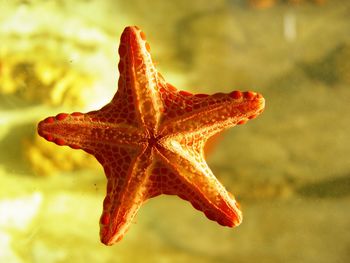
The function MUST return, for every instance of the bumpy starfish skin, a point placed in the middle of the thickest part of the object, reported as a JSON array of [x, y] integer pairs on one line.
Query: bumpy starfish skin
[[150, 138]]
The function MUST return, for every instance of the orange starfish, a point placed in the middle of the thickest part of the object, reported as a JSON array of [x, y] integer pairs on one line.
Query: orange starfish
[[150, 138]]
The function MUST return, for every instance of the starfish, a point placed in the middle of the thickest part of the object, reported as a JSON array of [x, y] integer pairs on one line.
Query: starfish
[[150, 139]]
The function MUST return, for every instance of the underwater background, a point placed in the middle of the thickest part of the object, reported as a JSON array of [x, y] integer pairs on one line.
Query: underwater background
[[289, 168]]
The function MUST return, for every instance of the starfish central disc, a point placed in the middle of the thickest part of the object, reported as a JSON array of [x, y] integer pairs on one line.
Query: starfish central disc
[[150, 139], [153, 141]]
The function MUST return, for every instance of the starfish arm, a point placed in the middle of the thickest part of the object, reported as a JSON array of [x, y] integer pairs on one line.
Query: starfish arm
[[126, 171], [150, 139], [83, 131], [194, 182], [137, 87], [185, 112], [123, 153]]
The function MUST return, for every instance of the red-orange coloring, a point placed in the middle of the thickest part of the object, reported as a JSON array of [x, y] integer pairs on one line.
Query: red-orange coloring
[[150, 138]]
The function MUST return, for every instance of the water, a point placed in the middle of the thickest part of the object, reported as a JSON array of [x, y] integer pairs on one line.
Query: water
[[289, 168]]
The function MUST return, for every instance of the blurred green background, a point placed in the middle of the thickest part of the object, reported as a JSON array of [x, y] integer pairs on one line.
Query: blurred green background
[[289, 168]]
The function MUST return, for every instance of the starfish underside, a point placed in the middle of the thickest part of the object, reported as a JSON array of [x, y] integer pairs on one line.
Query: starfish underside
[[150, 138]]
